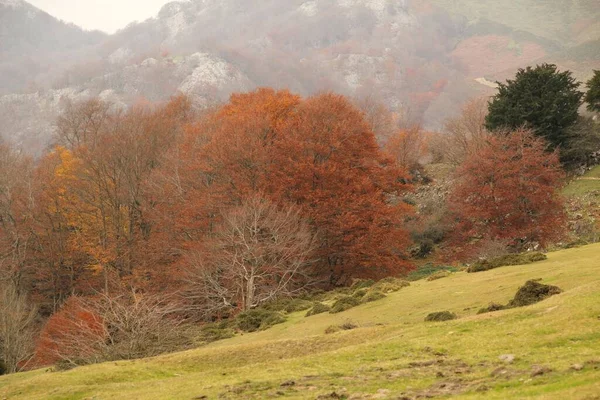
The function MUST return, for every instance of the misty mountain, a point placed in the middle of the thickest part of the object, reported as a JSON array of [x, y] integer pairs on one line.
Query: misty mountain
[[32, 43], [420, 58]]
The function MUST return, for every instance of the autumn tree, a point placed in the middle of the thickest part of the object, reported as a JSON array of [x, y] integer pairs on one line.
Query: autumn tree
[[72, 336], [115, 153], [327, 161], [508, 191], [317, 153], [17, 323], [465, 133], [17, 238], [261, 252], [542, 99], [407, 147]]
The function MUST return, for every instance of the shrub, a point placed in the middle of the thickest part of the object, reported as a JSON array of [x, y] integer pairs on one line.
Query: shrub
[[507, 260], [438, 275], [344, 303], [390, 285], [440, 316], [258, 320], [533, 292], [318, 308], [372, 295]]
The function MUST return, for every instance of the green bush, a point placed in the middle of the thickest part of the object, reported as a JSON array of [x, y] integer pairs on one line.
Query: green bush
[[258, 319], [440, 316], [372, 295], [344, 303], [503, 261], [318, 308]]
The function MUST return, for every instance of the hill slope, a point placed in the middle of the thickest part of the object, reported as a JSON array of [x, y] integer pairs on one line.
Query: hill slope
[[393, 354]]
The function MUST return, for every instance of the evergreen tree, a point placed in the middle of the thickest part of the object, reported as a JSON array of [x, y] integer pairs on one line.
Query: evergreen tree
[[542, 99], [592, 97]]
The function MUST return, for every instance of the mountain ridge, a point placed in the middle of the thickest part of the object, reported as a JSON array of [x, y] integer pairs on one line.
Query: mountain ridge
[[421, 58]]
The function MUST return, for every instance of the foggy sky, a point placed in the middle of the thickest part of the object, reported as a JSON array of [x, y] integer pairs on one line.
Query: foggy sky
[[105, 15]]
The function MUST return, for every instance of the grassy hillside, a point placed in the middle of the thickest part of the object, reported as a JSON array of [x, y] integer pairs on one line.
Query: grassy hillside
[[392, 353], [588, 183]]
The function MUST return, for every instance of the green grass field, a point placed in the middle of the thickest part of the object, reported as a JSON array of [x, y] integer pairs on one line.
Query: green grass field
[[392, 354]]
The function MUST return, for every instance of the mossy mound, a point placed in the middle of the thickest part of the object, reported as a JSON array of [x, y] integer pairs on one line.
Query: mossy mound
[[533, 292], [258, 320], [372, 295], [491, 308], [318, 308], [344, 303], [507, 260], [439, 275], [390, 285], [441, 316], [346, 326]]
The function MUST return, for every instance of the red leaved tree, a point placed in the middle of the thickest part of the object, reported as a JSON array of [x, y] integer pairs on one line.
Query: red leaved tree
[[73, 336], [326, 160], [507, 191]]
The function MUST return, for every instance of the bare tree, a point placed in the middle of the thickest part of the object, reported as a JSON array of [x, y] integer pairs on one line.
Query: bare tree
[[138, 325], [466, 133], [17, 319], [260, 253], [82, 123], [16, 204]]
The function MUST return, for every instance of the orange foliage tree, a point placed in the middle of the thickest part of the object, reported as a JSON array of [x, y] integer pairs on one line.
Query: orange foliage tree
[[72, 336], [507, 191], [327, 161], [317, 153]]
